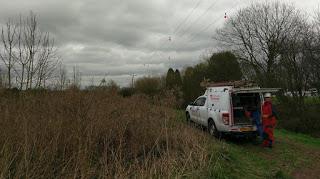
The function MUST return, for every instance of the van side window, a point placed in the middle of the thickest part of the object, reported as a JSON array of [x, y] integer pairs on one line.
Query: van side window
[[197, 102], [200, 101], [203, 101]]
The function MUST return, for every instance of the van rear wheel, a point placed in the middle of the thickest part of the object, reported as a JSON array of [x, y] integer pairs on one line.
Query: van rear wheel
[[213, 130]]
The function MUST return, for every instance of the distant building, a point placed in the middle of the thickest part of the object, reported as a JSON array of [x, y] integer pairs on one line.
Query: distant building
[[310, 93]]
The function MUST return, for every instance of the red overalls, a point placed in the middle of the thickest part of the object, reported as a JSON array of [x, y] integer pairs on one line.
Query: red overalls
[[269, 123]]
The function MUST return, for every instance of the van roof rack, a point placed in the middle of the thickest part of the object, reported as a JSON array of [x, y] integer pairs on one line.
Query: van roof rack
[[235, 84]]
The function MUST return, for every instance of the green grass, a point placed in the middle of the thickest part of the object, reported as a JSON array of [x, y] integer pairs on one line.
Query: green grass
[[299, 138], [291, 153], [312, 100]]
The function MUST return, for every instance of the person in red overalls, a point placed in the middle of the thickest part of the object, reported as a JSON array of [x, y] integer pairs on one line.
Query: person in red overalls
[[268, 121]]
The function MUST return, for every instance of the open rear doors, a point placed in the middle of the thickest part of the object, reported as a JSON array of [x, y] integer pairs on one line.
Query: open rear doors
[[246, 101]]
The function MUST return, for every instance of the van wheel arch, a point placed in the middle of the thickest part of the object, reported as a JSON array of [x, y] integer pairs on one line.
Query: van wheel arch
[[212, 129], [210, 120]]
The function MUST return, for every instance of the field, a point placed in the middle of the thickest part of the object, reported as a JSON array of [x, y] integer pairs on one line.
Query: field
[[102, 135]]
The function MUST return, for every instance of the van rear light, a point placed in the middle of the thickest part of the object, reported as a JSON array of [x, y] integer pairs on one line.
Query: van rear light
[[225, 118]]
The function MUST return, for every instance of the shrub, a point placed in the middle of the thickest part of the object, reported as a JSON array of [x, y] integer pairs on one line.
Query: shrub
[[148, 85], [297, 118], [126, 92]]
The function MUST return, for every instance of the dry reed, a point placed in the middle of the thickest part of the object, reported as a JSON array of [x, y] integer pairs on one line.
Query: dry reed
[[76, 134]]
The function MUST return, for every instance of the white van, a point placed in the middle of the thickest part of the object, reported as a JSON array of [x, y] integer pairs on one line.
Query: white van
[[222, 109]]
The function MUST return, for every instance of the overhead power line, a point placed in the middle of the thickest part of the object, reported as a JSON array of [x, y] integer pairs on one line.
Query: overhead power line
[[177, 29], [190, 25], [212, 23], [199, 17], [187, 17]]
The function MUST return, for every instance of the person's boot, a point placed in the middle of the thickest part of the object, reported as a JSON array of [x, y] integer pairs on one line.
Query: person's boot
[[270, 144], [265, 143]]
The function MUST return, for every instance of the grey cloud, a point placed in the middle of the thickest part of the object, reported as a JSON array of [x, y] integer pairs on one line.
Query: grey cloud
[[121, 37]]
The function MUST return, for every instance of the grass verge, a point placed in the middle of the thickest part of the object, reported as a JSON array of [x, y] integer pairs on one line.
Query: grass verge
[[292, 154]]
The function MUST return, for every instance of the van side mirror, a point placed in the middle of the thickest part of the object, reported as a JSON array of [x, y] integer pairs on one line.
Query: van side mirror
[[191, 103]]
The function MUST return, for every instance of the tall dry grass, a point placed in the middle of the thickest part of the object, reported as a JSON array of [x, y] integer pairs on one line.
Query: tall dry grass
[[75, 134]]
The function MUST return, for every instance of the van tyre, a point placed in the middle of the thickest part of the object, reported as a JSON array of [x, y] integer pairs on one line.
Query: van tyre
[[212, 129], [188, 119]]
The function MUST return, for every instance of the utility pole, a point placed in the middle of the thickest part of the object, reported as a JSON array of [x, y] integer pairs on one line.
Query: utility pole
[[148, 70], [74, 75], [133, 75]]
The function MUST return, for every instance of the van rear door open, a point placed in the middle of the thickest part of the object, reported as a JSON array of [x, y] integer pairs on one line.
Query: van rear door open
[[246, 101], [243, 104]]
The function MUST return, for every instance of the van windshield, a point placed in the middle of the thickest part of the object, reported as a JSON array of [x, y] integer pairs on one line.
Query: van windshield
[[244, 104]]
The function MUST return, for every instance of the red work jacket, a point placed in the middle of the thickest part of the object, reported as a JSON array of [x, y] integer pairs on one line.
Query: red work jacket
[[268, 120]]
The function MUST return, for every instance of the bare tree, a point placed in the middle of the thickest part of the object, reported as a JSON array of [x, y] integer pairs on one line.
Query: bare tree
[[76, 79], [256, 34], [1, 78], [317, 21], [28, 54], [277, 45], [8, 42], [296, 64], [21, 55], [315, 51], [32, 39], [47, 61], [36, 54], [62, 77]]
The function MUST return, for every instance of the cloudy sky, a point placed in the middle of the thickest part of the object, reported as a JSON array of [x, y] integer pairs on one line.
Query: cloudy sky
[[118, 38]]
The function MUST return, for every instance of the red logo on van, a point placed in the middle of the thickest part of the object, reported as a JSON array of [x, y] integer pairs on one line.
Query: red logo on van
[[214, 97]]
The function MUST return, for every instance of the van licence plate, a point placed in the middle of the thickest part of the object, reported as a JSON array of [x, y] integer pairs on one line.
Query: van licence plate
[[246, 129]]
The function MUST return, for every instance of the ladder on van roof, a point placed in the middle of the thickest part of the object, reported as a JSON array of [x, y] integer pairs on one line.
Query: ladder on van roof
[[235, 84], [255, 90], [242, 86]]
